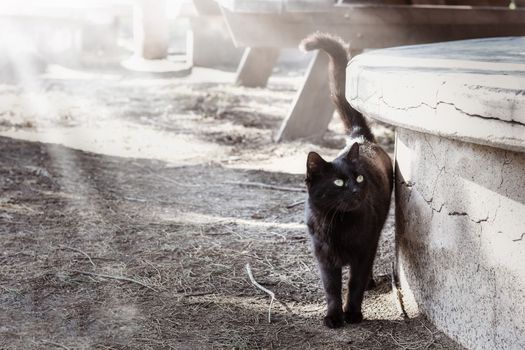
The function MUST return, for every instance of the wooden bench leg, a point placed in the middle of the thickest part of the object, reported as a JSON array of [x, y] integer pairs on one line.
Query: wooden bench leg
[[312, 108], [256, 66]]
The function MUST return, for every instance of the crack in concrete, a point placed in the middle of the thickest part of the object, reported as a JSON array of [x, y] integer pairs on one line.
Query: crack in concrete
[[462, 213], [519, 239], [510, 121], [496, 211], [409, 186], [473, 115], [455, 213], [437, 210], [441, 170], [436, 179], [506, 162], [480, 220], [429, 202], [431, 147]]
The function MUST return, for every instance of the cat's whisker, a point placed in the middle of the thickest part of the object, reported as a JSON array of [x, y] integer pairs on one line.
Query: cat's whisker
[[332, 208], [332, 220]]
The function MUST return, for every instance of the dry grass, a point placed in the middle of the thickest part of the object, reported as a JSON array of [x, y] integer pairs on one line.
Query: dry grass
[[104, 252]]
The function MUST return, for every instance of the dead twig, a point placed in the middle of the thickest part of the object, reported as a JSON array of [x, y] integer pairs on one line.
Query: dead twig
[[197, 294], [133, 199], [267, 291], [118, 278], [432, 339], [293, 205], [9, 290], [263, 185], [81, 252], [53, 343]]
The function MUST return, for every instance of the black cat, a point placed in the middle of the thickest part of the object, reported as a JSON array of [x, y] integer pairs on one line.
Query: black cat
[[348, 198]]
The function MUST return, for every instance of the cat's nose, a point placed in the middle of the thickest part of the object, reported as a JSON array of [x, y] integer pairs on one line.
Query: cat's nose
[[355, 190]]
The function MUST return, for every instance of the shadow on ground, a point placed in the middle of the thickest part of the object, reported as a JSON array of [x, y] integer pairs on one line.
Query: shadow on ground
[[103, 252]]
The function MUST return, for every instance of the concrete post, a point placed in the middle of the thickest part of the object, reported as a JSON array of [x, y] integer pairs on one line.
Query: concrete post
[[150, 29]]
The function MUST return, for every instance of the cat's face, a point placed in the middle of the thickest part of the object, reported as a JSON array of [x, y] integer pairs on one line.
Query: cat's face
[[339, 185]]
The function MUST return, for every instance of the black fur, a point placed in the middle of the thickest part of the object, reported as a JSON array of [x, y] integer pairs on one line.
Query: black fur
[[345, 221]]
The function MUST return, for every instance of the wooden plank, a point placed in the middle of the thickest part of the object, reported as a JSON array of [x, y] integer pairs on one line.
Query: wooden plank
[[365, 27], [312, 108], [256, 66], [207, 8], [376, 26]]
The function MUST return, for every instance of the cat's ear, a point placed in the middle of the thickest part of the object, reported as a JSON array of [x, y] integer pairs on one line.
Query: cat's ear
[[315, 164], [353, 153]]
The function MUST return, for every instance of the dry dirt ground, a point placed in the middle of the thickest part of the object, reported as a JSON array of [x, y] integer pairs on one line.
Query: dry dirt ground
[[130, 225]]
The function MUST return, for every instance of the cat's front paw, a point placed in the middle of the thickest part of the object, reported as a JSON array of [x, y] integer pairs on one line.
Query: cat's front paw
[[334, 321], [353, 317]]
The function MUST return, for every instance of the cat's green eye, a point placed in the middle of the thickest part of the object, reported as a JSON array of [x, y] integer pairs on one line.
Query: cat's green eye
[[359, 178], [339, 182]]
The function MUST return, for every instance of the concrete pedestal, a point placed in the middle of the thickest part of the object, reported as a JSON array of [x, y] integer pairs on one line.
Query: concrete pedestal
[[460, 227], [459, 108], [150, 29], [151, 39]]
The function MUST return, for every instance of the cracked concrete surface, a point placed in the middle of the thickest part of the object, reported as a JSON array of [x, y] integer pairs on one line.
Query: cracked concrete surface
[[472, 99], [436, 105], [460, 212]]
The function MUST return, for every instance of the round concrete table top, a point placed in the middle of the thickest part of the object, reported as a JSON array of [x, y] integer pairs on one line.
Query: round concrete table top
[[471, 90]]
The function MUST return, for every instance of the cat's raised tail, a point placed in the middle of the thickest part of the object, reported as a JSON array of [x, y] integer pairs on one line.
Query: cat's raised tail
[[354, 122]]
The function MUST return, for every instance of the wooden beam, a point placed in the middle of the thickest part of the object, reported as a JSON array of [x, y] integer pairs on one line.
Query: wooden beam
[[256, 66], [376, 26], [364, 26], [312, 108]]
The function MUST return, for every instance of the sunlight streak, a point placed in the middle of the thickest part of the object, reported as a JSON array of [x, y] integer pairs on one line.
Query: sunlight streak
[[36, 105]]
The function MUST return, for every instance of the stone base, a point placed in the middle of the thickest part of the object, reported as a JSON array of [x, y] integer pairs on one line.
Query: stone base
[[460, 222], [164, 66]]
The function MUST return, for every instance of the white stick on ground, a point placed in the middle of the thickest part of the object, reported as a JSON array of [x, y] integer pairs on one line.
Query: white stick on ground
[[267, 291]]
